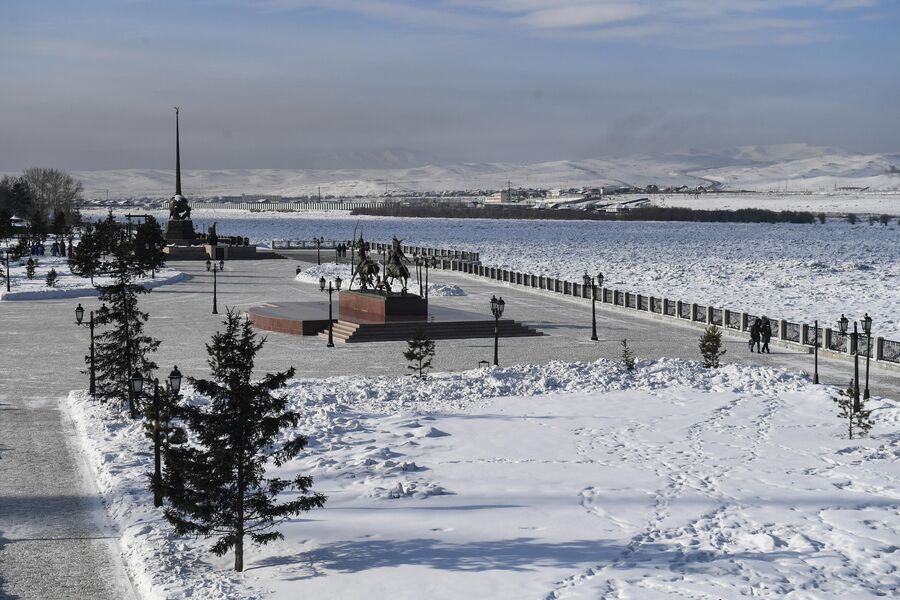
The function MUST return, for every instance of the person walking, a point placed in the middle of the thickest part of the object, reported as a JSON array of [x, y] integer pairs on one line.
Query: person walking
[[765, 334], [755, 334]]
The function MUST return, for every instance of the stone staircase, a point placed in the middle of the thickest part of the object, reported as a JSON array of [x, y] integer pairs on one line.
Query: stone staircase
[[345, 331]]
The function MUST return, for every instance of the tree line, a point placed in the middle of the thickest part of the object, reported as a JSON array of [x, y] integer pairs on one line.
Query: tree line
[[646, 213], [47, 199]]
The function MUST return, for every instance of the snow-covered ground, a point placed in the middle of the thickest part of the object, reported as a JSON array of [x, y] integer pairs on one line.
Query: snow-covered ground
[[562, 480], [331, 271], [821, 202], [68, 285], [797, 167], [796, 272]]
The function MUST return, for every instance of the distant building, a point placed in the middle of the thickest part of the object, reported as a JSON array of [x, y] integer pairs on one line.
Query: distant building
[[502, 197]]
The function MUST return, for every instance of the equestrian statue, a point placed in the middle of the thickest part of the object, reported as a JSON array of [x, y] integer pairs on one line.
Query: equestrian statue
[[395, 269], [365, 269]]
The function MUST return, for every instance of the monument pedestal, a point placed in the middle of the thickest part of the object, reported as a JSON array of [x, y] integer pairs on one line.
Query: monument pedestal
[[180, 231], [376, 307]]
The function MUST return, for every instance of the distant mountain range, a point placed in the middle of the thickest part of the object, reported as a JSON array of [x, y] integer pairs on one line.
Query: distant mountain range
[[791, 167]]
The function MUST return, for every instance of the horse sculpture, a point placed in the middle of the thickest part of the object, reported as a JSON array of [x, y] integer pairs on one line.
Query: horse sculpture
[[395, 269], [366, 269]]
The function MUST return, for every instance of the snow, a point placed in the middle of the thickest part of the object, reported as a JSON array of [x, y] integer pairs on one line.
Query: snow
[[801, 273], [760, 168], [68, 285], [562, 480], [331, 271]]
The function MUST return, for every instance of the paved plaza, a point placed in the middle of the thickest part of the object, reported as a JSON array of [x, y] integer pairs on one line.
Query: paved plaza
[[56, 541]]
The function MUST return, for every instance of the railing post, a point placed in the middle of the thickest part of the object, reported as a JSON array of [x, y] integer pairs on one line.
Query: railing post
[[665, 306], [879, 348], [826, 341], [678, 305], [745, 321], [782, 330], [804, 333], [726, 317], [709, 315]]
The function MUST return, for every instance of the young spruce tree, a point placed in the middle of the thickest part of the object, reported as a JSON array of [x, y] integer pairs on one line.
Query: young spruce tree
[[122, 348], [216, 482], [860, 419], [419, 352], [711, 347], [628, 360], [87, 259], [149, 243]]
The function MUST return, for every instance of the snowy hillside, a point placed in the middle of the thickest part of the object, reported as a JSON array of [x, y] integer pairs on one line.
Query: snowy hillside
[[761, 168], [562, 480]]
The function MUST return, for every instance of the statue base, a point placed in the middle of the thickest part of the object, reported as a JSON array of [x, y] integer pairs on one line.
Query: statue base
[[377, 307], [180, 230]]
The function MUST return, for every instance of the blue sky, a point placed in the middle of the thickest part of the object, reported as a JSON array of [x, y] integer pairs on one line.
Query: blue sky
[[300, 83]]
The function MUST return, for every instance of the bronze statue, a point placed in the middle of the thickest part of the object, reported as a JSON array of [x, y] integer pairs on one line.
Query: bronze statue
[[395, 269], [211, 235], [365, 269], [179, 209]]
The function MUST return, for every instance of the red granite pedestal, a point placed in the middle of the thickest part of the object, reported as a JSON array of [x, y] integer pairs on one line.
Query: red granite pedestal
[[375, 307]]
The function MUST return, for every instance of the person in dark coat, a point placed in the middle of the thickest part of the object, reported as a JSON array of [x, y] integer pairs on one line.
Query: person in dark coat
[[766, 335], [755, 334]]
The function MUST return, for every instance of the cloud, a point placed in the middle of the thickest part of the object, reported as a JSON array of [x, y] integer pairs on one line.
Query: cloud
[[678, 22]]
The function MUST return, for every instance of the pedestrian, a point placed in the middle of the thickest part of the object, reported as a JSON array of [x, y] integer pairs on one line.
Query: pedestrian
[[766, 334], [71, 247], [54, 249], [755, 334]]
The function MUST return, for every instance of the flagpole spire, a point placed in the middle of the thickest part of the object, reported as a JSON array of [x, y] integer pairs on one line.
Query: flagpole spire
[[177, 157]]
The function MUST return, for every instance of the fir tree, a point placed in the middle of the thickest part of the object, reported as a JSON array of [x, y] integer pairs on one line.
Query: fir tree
[[51, 278], [216, 483], [29, 267], [628, 360], [123, 348], [107, 233], [860, 419], [59, 226], [419, 352], [87, 258], [711, 347], [149, 243]]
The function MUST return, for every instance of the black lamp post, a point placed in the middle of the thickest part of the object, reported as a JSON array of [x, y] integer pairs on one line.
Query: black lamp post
[[330, 289], [215, 291], [591, 281], [79, 317], [8, 275], [497, 305], [433, 263], [417, 260], [842, 324], [816, 353], [135, 388], [318, 242], [867, 329]]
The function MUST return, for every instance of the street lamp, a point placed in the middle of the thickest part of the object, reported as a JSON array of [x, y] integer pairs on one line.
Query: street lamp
[[417, 260], [215, 291], [135, 387], [497, 306], [593, 283], [816, 353], [8, 275], [318, 242], [330, 289], [79, 317], [867, 329], [433, 264], [842, 325]]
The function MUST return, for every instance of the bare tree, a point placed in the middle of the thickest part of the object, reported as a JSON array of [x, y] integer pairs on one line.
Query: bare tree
[[53, 191]]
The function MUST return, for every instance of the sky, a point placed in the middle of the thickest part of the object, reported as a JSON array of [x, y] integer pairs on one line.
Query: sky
[[91, 85]]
